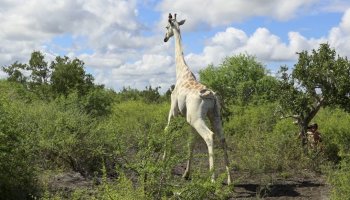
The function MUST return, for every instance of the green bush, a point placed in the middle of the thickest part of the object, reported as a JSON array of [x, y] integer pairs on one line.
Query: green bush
[[17, 169], [257, 119], [67, 137], [123, 188], [121, 139], [340, 180], [139, 128], [98, 102], [201, 187], [335, 129], [262, 142]]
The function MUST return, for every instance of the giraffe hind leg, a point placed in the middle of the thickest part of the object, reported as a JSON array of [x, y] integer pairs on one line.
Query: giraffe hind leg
[[202, 129], [191, 142], [217, 127]]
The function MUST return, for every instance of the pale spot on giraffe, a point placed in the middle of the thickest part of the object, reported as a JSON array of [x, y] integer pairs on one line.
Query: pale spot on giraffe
[[185, 84], [192, 82], [198, 86]]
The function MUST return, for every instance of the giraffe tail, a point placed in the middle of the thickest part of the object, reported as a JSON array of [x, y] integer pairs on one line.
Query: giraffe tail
[[209, 94], [217, 107]]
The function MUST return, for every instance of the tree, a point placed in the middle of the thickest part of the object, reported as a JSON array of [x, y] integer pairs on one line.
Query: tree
[[318, 80], [151, 95], [69, 75], [40, 71], [37, 66], [148, 95], [15, 72], [240, 80]]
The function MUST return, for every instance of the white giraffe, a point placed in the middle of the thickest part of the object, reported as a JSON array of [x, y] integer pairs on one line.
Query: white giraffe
[[193, 100]]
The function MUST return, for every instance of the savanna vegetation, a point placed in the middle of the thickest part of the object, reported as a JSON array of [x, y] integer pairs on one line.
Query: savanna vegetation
[[54, 121]]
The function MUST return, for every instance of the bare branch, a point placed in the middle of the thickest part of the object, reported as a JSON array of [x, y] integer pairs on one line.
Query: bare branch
[[284, 116]]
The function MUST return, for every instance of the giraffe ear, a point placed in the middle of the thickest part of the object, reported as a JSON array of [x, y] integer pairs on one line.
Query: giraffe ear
[[181, 22]]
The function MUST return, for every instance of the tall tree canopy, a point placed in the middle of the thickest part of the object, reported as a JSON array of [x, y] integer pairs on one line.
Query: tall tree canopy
[[40, 71], [69, 75], [15, 72], [240, 80], [320, 78]]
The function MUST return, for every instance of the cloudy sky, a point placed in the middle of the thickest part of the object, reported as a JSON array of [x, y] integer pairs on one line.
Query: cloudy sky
[[121, 41]]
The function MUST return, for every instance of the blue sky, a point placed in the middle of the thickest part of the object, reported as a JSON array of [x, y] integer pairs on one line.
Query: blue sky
[[121, 41]]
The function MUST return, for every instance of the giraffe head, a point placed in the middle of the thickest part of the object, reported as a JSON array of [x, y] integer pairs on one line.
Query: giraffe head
[[173, 24]]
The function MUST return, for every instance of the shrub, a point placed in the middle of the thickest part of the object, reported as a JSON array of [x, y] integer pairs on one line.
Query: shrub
[[17, 169], [66, 137], [340, 180], [139, 128]]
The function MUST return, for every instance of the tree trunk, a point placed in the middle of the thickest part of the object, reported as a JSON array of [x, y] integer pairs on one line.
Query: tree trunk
[[303, 122]]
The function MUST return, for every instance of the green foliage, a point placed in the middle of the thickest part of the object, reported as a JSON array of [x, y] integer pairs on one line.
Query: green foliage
[[261, 142], [69, 75], [340, 180], [318, 80], [202, 188], [151, 95], [98, 102], [15, 72], [148, 95], [141, 143], [250, 117], [17, 172], [58, 120], [62, 77], [122, 189], [40, 71], [326, 71], [334, 127], [16, 91], [239, 79]]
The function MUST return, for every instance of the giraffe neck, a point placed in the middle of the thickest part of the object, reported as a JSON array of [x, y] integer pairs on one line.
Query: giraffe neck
[[181, 66]]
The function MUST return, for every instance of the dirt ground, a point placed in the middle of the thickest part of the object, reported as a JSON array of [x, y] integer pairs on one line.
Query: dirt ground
[[246, 186], [271, 186], [300, 187]]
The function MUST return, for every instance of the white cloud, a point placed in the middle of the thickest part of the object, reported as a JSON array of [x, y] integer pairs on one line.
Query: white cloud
[[222, 12], [333, 6], [268, 47], [30, 25], [110, 30], [148, 65], [339, 37], [152, 69], [2, 74], [262, 44], [120, 55]]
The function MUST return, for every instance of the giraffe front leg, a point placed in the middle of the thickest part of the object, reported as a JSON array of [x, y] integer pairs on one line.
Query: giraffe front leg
[[166, 129], [227, 163], [173, 112]]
